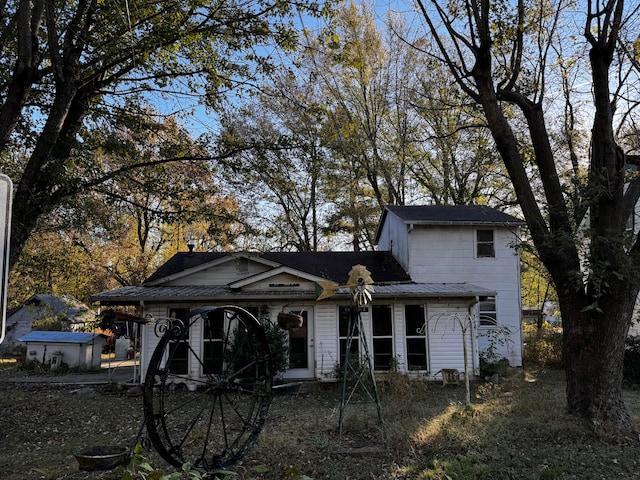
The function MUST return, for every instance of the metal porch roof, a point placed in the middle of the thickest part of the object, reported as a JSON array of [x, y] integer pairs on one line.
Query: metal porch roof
[[136, 295]]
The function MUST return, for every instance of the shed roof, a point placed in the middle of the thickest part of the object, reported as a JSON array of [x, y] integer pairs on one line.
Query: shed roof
[[58, 337]]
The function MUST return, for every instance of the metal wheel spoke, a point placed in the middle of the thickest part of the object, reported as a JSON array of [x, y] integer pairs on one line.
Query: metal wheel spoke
[[210, 418]]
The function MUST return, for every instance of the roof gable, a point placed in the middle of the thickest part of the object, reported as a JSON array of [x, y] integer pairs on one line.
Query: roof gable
[[184, 264], [273, 274]]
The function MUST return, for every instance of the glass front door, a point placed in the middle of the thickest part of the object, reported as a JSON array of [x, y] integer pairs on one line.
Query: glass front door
[[301, 347]]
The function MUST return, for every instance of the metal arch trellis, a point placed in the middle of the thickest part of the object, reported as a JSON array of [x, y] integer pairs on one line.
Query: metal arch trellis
[[467, 324]]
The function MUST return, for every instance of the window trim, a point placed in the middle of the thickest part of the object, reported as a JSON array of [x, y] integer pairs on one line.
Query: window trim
[[488, 313], [485, 243], [388, 337]]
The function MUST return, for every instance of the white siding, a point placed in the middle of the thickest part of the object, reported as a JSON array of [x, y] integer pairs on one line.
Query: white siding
[[326, 331], [394, 238], [399, 343], [75, 355], [449, 327], [448, 254], [283, 281]]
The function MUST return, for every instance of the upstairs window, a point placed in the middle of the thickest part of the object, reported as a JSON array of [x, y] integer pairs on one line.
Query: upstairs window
[[484, 244]]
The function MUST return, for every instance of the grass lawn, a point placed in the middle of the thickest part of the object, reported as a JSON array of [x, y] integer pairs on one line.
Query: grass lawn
[[515, 430]]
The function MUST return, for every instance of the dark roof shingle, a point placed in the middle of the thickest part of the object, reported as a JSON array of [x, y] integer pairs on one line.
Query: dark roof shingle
[[330, 265], [467, 214]]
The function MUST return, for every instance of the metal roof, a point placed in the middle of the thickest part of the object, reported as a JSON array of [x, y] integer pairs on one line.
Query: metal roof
[[59, 337], [433, 290], [135, 295]]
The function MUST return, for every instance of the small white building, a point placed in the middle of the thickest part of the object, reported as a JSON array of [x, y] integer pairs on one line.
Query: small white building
[[445, 278], [74, 349], [40, 307]]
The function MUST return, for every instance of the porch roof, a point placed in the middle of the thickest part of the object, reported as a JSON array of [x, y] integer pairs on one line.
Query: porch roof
[[220, 293]]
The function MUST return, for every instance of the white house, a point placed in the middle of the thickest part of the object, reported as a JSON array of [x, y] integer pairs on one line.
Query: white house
[[441, 275]]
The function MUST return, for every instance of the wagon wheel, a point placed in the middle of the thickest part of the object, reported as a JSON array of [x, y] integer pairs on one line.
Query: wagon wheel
[[208, 388]]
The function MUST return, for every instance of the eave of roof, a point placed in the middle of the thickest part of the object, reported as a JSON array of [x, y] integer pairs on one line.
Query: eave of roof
[[138, 295], [58, 337], [441, 215]]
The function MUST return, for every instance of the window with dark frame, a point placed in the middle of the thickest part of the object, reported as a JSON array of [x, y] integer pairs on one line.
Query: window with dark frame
[[179, 348], [416, 337], [213, 342], [485, 247], [487, 311], [344, 313], [381, 319]]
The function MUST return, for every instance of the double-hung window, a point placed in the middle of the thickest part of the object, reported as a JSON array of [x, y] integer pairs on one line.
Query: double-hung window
[[487, 311], [485, 246], [345, 320], [213, 342], [179, 349]]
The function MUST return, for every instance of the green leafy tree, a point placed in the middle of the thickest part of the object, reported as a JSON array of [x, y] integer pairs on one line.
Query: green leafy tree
[[510, 58], [68, 66], [119, 232]]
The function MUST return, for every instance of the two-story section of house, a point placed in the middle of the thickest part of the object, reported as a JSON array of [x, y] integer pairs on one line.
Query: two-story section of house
[[474, 244]]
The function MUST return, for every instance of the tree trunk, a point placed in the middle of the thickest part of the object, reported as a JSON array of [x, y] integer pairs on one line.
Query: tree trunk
[[596, 317], [593, 350]]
